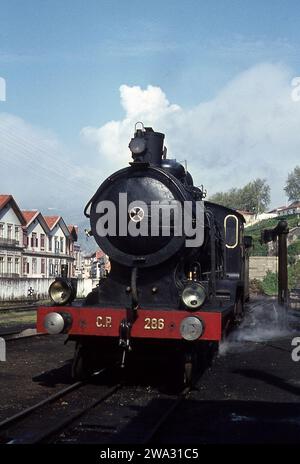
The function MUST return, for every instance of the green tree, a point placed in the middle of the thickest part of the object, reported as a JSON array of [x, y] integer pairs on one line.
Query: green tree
[[229, 199], [294, 248], [254, 197], [292, 186]]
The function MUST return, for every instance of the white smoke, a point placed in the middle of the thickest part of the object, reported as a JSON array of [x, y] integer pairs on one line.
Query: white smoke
[[244, 132], [264, 321]]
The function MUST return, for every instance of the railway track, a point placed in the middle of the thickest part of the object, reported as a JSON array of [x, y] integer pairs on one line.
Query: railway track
[[47, 417], [92, 413], [9, 335], [120, 421], [132, 415], [21, 307]]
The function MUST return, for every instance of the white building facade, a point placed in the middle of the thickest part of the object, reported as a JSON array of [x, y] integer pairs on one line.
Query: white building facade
[[11, 237], [33, 245]]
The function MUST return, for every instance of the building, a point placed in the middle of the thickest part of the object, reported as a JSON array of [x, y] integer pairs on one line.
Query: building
[[248, 216], [12, 245], [60, 245], [96, 265], [33, 245], [79, 262], [252, 218], [36, 251], [99, 265], [293, 208]]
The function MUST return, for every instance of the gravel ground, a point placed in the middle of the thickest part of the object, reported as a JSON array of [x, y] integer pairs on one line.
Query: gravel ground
[[247, 396], [35, 368]]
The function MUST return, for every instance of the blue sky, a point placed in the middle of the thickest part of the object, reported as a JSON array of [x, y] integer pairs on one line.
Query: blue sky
[[64, 61]]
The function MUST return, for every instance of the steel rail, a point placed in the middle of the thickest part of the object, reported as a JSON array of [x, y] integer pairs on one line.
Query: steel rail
[[64, 423], [150, 435], [48, 400], [39, 437]]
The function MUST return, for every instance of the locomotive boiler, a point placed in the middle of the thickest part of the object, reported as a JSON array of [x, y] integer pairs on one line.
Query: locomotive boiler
[[179, 268]]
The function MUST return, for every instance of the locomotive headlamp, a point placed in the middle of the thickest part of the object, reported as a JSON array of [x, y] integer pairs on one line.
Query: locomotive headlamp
[[137, 145], [193, 296], [191, 328], [61, 291], [56, 323]]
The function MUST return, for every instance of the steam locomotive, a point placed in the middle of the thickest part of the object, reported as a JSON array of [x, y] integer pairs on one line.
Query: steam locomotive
[[179, 268]]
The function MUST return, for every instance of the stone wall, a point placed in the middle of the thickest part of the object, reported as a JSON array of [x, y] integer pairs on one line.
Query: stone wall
[[259, 265]]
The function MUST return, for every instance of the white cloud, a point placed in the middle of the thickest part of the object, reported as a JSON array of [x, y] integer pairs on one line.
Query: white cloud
[[38, 170], [250, 129]]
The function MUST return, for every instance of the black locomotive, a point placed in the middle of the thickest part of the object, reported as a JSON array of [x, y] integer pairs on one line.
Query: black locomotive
[[179, 267]]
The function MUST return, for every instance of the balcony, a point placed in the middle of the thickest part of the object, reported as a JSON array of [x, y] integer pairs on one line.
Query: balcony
[[9, 275], [9, 243]]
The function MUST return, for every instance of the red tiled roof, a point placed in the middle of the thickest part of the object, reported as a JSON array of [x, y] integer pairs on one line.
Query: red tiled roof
[[71, 228], [99, 254], [29, 215], [4, 199], [73, 231], [51, 221]]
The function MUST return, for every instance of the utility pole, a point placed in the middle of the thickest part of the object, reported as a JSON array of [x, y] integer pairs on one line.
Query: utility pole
[[280, 232]]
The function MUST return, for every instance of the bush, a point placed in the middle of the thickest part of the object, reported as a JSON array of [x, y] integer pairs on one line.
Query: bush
[[270, 281], [294, 275], [294, 248], [255, 286], [255, 231], [270, 284]]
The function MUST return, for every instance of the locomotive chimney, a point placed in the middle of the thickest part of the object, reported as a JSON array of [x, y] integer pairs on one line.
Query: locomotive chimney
[[147, 146]]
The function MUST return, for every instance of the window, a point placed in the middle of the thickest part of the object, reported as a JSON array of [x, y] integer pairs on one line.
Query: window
[[1, 230], [25, 265], [17, 265], [51, 270], [25, 239], [61, 244], [9, 265], [34, 266], [56, 267], [43, 265], [17, 233], [56, 245], [231, 226], [42, 241], [1, 265], [34, 240], [9, 231]]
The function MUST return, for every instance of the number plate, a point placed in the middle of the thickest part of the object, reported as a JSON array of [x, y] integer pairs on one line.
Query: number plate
[[152, 323]]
